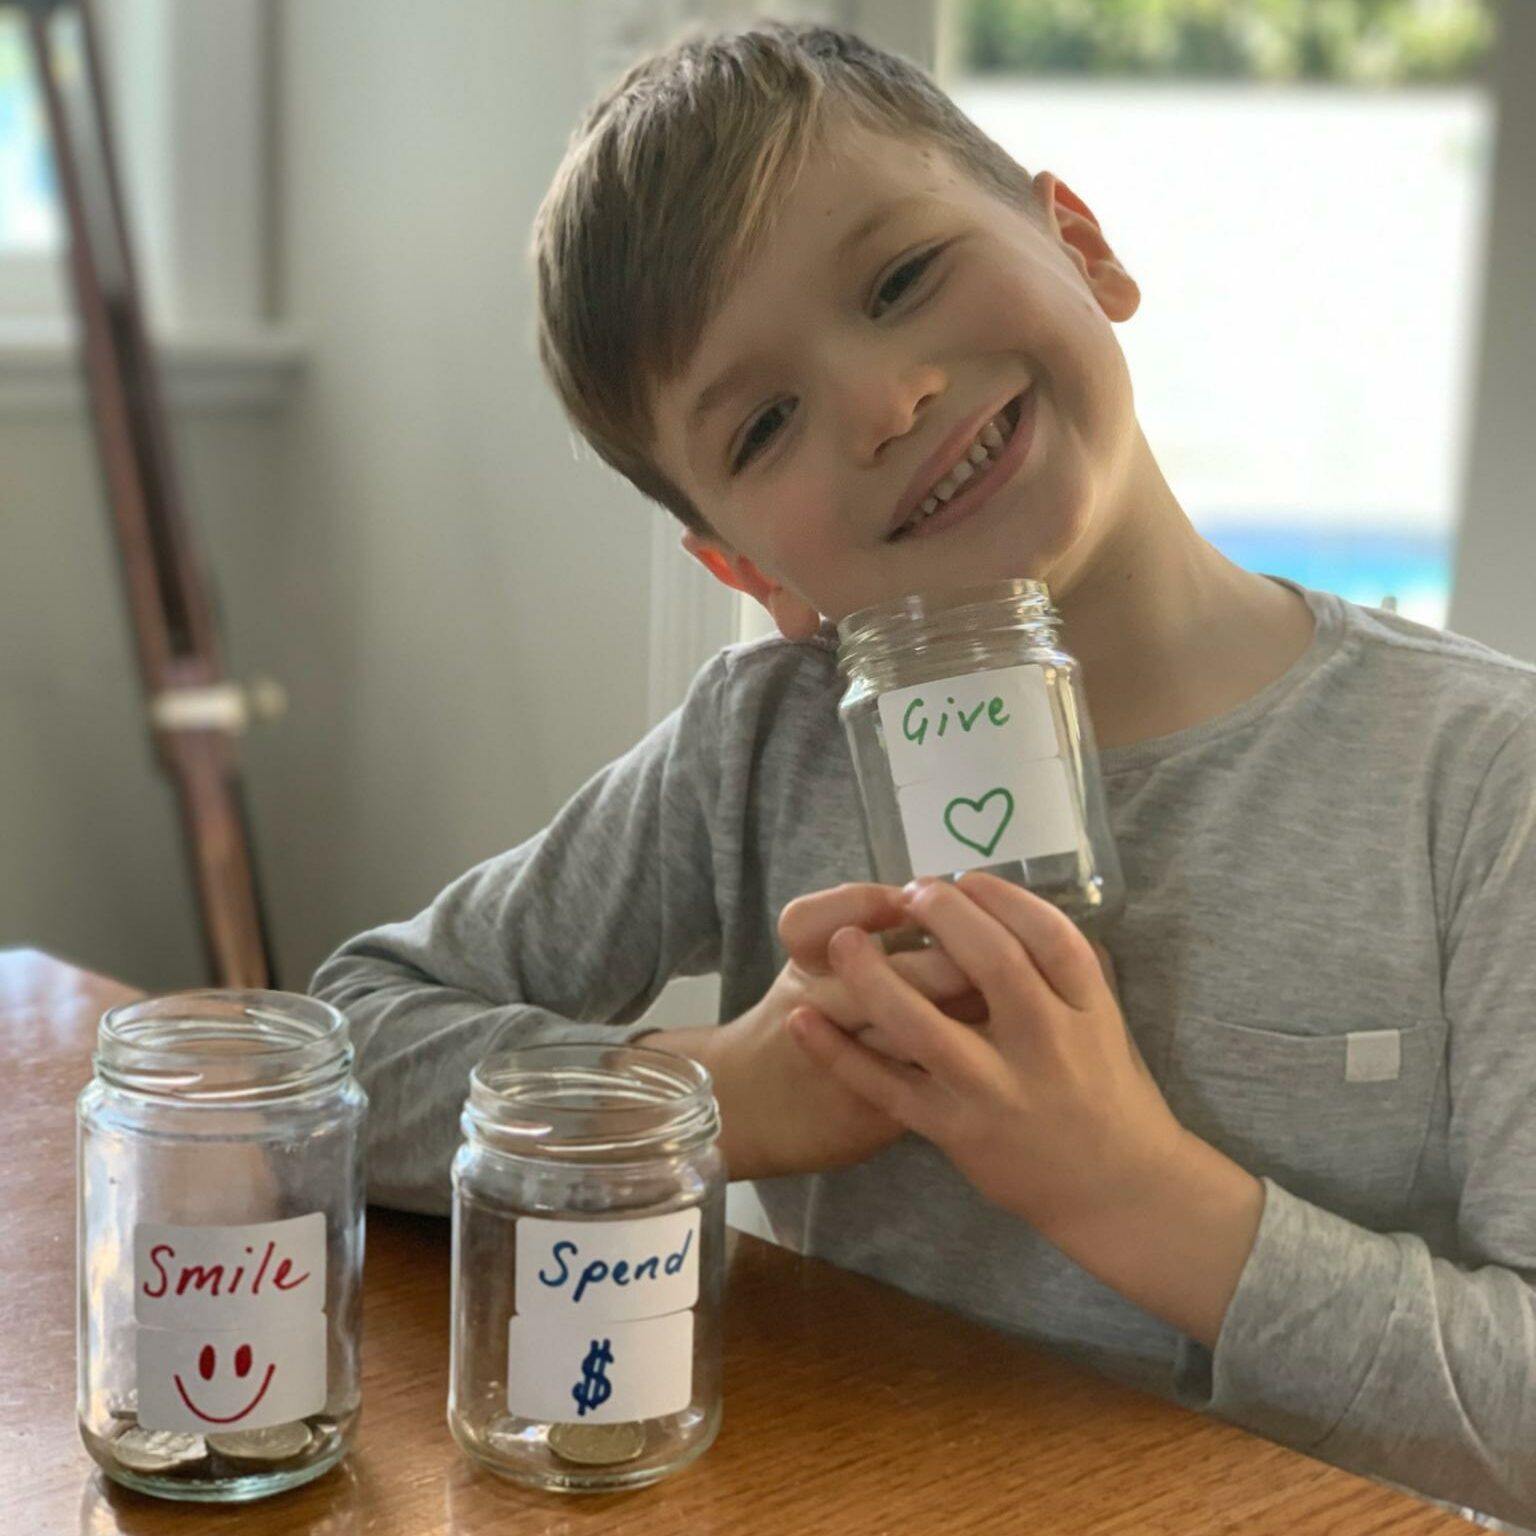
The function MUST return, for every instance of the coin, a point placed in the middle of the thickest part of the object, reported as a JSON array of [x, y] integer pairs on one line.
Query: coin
[[278, 1443], [157, 1450], [597, 1445]]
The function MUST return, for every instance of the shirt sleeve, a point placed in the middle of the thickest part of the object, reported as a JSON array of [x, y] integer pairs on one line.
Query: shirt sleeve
[[1365, 1348], [563, 938]]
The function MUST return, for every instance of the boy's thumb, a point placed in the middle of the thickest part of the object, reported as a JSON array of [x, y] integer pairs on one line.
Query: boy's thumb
[[1107, 965]]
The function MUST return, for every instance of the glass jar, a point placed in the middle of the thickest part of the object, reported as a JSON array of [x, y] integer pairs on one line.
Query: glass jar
[[973, 748], [588, 1264], [220, 1244]]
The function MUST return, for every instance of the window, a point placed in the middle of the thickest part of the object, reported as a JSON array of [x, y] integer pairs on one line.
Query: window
[[29, 227], [27, 192], [192, 160], [1299, 192]]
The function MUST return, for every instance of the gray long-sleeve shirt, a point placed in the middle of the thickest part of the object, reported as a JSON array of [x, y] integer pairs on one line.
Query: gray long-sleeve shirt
[[1326, 959]]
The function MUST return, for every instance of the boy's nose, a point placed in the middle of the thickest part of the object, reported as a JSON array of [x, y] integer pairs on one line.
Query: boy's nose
[[883, 409]]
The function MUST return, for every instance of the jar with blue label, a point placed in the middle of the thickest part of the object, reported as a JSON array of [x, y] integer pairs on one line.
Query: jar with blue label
[[220, 1187], [588, 1265], [971, 740]]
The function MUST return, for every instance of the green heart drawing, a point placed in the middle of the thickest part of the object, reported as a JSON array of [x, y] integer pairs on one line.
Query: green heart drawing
[[975, 805]]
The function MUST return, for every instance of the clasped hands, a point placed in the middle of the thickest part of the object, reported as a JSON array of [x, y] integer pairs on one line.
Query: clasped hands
[[1004, 1045]]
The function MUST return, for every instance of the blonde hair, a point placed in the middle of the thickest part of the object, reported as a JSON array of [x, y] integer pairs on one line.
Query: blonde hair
[[666, 190]]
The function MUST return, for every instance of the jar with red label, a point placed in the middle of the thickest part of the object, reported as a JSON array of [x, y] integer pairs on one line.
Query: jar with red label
[[220, 1244]]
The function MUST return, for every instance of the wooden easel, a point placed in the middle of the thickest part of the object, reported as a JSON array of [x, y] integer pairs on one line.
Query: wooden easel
[[194, 711]]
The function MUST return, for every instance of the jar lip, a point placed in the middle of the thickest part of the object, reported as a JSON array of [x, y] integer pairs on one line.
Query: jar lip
[[589, 1098], [208, 1043], [924, 605]]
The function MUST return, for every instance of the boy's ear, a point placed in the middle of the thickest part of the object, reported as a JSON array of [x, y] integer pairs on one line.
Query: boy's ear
[[1113, 287], [796, 618]]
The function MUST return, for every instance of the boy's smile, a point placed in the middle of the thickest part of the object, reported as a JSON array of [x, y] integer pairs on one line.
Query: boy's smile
[[968, 469], [911, 385]]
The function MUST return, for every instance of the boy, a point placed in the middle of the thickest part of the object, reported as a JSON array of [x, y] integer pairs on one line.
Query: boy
[[1285, 1175]]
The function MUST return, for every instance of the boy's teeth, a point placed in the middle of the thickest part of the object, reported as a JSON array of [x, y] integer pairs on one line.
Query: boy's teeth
[[989, 441]]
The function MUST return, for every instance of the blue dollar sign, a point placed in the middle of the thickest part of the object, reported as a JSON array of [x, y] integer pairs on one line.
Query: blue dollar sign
[[594, 1389]]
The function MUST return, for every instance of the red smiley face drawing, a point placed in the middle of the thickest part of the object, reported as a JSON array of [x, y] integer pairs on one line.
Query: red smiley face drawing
[[207, 1366]]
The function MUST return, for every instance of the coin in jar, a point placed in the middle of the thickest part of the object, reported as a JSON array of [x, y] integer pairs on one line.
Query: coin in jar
[[157, 1450], [597, 1445], [277, 1443]]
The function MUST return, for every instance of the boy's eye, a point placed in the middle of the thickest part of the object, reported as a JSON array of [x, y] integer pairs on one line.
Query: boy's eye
[[761, 432], [904, 277]]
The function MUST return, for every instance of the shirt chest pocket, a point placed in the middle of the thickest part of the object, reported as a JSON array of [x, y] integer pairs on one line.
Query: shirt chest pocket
[[1339, 1120]]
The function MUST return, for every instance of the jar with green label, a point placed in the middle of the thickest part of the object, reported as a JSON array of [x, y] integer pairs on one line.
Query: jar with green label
[[973, 747], [588, 1265]]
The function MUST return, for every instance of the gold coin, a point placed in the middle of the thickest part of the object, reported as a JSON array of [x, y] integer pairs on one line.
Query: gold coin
[[597, 1445], [278, 1443], [157, 1450]]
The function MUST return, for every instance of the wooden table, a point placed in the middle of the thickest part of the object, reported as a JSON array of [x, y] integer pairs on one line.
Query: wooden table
[[849, 1407]]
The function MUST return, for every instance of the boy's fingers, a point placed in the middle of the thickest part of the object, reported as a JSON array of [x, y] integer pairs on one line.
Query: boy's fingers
[[807, 924], [1060, 951], [984, 944], [928, 971], [1107, 965], [951, 1053], [892, 1087], [932, 972]]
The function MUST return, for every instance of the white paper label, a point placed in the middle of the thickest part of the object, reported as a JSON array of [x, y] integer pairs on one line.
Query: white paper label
[[566, 1371], [1024, 812], [226, 1277], [935, 727], [593, 1270], [231, 1323], [978, 771], [211, 1381]]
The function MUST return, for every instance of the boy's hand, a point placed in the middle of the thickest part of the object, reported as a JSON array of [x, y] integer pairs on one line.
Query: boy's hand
[[806, 927], [781, 1112], [1046, 1107], [795, 1116]]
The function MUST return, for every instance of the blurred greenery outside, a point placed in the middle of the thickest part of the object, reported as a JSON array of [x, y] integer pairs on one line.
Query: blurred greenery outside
[[1362, 43]]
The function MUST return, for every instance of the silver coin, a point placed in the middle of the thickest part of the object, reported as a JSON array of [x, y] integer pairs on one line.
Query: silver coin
[[278, 1443], [157, 1450], [597, 1445]]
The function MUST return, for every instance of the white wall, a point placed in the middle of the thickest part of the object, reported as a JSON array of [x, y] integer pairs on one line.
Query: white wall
[[460, 585]]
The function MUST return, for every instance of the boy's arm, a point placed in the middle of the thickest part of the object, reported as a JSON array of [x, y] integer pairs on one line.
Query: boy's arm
[[586, 921], [1364, 1347]]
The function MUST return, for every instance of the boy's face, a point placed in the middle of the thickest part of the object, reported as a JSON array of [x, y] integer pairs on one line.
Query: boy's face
[[855, 369]]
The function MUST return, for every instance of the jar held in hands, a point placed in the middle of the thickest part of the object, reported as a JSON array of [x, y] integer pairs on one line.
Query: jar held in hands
[[973, 748]]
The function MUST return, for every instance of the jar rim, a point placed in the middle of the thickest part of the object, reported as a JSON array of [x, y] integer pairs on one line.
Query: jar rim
[[582, 1099], [862, 622], [223, 1045]]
